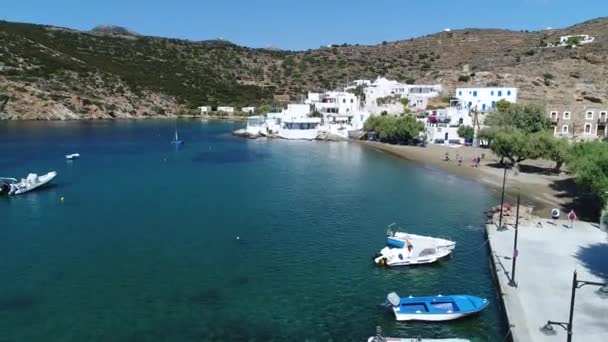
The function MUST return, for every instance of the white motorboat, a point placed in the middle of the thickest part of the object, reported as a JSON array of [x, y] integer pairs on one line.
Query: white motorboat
[[397, 339], [72, 156], [395, 238], [380, 338], [11, 186], [416, 253]]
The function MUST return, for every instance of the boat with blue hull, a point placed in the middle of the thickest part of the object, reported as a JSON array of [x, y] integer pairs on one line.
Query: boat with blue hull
[[435, 308]]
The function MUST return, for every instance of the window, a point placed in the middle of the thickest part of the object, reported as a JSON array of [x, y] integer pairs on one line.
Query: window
[[475, 93], [587, 128], [483, 107], [566, 115], [470, 104], [493, 104], [352, 100], [565, 129], [460, 93], [492, 93], [553, 116], [500, 93], [603, 116], [589, 115], [343, 100], [508, 93]]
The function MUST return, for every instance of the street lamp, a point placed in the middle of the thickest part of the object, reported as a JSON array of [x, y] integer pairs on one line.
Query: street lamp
[[502, 198], [547, 329]]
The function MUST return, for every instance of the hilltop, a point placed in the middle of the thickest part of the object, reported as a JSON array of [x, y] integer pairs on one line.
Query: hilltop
[[52, 73]]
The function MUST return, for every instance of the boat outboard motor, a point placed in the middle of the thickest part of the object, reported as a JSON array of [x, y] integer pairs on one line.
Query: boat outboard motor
[[393, 299], [5, 188]]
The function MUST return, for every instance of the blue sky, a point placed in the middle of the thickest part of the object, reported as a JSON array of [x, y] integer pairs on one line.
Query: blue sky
[[300, 25]]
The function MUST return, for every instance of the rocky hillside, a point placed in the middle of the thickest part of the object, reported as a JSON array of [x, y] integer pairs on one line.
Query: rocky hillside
[[57, 73]]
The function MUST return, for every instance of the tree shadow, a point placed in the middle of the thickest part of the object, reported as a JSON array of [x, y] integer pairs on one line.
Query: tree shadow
[[586, 205], [594, 258]]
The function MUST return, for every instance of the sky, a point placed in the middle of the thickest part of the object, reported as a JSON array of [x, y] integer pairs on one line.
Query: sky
[[301, 25]]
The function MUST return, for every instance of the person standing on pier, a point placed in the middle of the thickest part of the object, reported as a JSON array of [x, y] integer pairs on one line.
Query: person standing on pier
[[571, 218]]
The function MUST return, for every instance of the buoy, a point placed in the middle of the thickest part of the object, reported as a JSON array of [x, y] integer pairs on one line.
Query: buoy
[[238, 237], [62, 199]]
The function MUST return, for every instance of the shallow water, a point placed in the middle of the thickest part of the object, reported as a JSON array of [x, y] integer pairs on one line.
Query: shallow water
[[145, 248]]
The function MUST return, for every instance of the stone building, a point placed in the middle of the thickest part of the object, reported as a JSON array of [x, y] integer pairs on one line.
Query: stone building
[[580, 123]]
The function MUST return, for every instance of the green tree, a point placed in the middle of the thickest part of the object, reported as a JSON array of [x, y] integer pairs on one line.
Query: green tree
[[511, 144], [392, 129], [545, 145], [527, 118], [589, 162], [466, 132], [486, 135], [502, 105]]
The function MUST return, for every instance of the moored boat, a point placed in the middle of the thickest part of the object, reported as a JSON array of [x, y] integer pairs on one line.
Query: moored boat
[[11, 186], [421, 252], [380, 338], [176, 141], [72, 156], [395, 238], [435, 308]]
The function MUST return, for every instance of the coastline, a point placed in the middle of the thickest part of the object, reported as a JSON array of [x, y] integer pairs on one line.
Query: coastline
[[544, 192]]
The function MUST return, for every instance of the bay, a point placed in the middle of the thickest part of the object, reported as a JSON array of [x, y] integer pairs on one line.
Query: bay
[[224, 238]]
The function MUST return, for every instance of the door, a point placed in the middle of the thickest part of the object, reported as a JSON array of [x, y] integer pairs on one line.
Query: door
[[446, 137]]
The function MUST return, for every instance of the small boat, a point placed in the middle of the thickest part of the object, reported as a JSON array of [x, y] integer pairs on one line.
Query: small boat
[[416, 253], [11, 186], [72, 156], [176, 141], [435, 308], [395, 238], [415, 339], [380, 338]]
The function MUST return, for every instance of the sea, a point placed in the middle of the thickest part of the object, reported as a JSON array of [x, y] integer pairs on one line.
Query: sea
[[224, 238]]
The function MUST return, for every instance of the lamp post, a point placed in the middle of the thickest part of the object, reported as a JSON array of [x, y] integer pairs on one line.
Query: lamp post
[[515, 252], [576, 284], [502, 198]]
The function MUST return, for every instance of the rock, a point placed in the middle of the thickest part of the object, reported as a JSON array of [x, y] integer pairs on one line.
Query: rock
[[593, 99]]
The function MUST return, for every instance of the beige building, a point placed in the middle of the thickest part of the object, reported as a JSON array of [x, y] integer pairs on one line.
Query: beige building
[[587, 123]]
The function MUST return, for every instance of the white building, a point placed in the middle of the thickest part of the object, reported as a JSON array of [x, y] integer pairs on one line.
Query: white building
[[485, 99], [249, 110], [225, 109], [356, 83], [442, 124], [581, 38], [204, 109], [390, 92]]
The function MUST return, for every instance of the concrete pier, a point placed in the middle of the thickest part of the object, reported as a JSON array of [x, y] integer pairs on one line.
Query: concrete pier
[[547, 257]]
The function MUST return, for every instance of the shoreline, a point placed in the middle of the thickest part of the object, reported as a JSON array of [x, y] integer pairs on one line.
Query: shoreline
[[537, 189]]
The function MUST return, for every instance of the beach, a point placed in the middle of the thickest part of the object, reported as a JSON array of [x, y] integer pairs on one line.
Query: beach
[[543, 191]]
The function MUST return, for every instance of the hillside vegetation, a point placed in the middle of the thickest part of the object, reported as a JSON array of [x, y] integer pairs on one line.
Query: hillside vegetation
[[57, 73]]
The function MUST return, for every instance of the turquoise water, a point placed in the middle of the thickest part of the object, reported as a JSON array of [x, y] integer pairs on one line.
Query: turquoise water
[[144, 247]]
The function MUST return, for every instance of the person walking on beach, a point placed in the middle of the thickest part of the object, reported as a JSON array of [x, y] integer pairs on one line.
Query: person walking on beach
[[571, 218], [459, 160]]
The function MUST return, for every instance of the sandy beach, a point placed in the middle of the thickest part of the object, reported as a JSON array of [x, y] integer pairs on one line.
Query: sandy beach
[[543, 191]]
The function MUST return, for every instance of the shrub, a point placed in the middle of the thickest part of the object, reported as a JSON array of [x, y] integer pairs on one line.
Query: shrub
[[464, 78]]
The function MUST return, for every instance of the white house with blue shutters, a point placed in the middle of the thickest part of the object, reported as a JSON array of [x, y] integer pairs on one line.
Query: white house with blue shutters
[[485, 99]]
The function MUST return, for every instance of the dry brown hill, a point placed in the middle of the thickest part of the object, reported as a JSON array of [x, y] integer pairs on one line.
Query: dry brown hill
[[49, 72]]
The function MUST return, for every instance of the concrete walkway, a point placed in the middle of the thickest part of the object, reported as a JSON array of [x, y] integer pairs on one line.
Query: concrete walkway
[[547, 257]]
